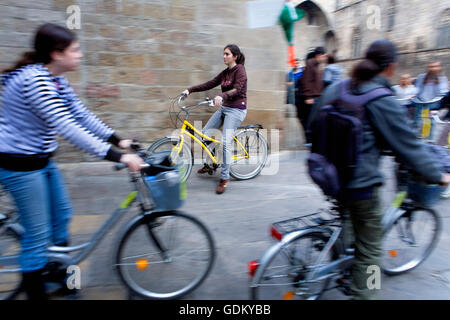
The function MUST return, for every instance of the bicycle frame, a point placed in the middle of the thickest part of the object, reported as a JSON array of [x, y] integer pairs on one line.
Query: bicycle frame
[[389, 217], [60, 254], [189, 130], [321, 271]]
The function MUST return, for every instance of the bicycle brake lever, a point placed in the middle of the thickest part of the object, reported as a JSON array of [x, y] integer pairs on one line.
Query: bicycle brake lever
[[135, 145]]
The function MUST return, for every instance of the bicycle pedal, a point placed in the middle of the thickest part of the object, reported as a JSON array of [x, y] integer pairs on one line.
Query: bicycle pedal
[[344, 286], [350, 251]]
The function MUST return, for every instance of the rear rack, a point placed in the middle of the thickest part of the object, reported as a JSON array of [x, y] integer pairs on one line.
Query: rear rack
[[320, 218]]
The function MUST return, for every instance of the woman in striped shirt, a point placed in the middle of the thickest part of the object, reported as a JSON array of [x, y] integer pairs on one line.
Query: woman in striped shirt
[[38, 104]]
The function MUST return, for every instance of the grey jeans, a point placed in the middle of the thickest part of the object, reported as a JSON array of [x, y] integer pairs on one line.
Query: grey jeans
[[231, 118]]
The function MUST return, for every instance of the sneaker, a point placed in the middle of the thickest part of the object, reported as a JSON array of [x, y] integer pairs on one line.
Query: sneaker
[[203, 170], [222, 185]]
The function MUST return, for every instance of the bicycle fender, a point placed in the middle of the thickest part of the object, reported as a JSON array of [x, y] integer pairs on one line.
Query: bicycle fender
[[273, 250]]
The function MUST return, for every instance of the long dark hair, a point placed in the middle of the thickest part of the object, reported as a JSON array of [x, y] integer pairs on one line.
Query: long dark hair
[[237, 53], [380, 54], [49, 37], [429, 77]]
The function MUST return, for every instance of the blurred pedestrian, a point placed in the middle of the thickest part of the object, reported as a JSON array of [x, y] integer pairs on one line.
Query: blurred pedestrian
[[332, 72], [311, 86], [291, 81], [38, 104], [430, 85], [405, 91], [384, 126]]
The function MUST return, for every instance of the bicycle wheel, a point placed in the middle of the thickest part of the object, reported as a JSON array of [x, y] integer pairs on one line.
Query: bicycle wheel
[[248, 163], [410, 240], [285, 274], [10, 272], [183, 158], [165, 255]]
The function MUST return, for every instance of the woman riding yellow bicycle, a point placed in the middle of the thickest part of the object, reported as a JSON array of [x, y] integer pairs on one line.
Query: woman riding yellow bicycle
[[233, 106]]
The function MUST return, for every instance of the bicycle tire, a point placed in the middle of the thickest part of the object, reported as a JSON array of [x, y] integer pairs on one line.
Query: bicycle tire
[[294, 274], [393, 252], [10, 275], [256, 146], [195, 242], [167, 143]]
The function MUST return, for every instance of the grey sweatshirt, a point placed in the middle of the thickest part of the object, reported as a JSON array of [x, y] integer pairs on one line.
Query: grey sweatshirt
[[388, 127]]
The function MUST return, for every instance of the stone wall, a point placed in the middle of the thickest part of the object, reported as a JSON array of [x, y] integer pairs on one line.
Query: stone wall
[[139, 54]]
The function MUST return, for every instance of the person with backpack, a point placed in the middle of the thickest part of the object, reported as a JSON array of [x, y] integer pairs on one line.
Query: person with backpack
[[38, 104], [354, 121]]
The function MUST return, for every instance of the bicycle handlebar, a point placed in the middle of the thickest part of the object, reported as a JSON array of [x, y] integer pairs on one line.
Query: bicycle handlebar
[[435, 100], [136, 146], [439, 120], [207, 101]]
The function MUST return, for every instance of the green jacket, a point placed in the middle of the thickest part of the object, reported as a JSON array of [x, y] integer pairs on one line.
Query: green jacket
[[388, 127]]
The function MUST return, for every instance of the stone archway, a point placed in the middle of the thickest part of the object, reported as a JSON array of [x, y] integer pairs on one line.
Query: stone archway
[[314, 30]]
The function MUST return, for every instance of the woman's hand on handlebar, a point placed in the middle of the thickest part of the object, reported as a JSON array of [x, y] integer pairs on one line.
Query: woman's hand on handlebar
[[218, 101], [133, 161], [185, 93]]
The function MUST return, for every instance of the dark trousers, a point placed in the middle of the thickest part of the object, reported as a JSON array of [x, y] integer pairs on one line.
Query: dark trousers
[[303, 112], [367, 234]]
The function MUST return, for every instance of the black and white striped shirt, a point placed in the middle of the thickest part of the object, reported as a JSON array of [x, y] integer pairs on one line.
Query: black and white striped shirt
[[36, 106]]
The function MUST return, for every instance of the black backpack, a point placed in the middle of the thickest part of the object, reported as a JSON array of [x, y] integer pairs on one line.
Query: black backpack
[[336, 137]]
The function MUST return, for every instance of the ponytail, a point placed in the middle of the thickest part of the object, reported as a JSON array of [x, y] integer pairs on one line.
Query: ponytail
[[49, 38], [364, 71], [27, 58]]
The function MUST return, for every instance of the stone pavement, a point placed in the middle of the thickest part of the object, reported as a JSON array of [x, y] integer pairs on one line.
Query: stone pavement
[[239, 221]]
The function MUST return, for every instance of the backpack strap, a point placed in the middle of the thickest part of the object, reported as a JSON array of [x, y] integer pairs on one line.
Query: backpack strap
[[353, 103], [362, 99]]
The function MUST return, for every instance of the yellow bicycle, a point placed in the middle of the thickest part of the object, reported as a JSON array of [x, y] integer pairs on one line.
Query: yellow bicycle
[[249, 149]]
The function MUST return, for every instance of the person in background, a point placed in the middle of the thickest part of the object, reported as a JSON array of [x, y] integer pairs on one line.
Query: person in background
[[291, 81], [311, 86], [332, 72], [429, 86], [404, 92]]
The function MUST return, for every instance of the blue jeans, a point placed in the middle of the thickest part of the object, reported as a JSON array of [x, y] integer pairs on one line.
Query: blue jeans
[[231, 119], [44, 211]]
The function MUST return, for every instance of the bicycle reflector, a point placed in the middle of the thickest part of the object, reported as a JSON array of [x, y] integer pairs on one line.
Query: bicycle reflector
[[393, 253], [252, 266], [289, 295], [141, 264], [275, 233]]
